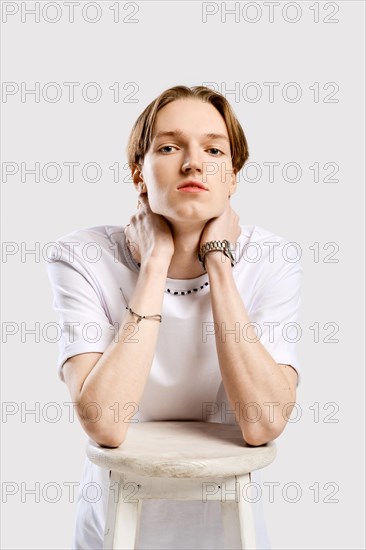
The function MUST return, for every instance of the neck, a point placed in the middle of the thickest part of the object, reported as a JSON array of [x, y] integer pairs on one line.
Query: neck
[[185, 263]]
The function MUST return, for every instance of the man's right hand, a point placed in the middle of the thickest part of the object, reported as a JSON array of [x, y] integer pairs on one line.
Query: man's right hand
[[148, 234]]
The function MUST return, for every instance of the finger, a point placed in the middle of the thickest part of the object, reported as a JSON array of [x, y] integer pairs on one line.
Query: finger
[[127, 238], [140, 202], [143, 201]]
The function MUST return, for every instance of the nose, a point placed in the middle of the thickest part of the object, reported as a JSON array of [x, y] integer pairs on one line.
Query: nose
[[192, 162]]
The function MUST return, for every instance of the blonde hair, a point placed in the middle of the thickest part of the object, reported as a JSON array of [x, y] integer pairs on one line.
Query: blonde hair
[[141, 134]]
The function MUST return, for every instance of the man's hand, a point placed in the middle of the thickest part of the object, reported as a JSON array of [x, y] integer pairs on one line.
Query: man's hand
[[226, 226], [148, 234]]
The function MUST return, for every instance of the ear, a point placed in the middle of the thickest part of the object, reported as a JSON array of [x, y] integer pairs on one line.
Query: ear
[[137, 177], [233, 183]]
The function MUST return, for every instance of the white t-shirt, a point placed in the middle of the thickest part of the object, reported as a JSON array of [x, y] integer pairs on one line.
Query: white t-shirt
[[87, 272]]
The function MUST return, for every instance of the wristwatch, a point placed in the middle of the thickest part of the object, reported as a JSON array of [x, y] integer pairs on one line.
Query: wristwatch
[[222, 246]]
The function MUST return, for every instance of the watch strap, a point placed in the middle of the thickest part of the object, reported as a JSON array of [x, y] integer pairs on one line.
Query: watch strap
[[222, 246]]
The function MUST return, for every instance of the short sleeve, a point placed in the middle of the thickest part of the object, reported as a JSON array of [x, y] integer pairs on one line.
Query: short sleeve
[[83, 323], [275, 313]]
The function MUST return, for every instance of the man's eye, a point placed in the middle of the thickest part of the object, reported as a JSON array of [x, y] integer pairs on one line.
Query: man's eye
[[215, 149], [165, 147]]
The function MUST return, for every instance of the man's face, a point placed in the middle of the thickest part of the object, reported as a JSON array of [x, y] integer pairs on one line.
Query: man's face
[[173, 159]]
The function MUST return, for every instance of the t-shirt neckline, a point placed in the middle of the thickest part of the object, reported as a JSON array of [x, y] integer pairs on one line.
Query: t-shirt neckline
[[177, 284]]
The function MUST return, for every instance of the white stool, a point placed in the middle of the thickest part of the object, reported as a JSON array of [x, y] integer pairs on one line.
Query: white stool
[[185, 460]]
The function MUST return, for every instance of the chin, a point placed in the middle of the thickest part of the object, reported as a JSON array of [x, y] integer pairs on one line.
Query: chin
[[191, 211], [184, 218]]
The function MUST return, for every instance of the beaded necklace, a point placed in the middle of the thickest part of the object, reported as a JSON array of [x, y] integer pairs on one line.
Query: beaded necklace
[[182, 292]]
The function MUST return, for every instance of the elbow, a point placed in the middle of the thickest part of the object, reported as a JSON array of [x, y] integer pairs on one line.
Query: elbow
[[104, 432], [104, 435], [257, 437], [108, 440], [255, 441], [109, 443]]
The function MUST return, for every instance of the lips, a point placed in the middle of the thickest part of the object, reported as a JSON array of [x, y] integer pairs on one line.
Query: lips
[[192, 183]]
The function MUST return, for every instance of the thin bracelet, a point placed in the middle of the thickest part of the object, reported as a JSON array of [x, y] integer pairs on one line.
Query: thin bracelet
[[140, 317]]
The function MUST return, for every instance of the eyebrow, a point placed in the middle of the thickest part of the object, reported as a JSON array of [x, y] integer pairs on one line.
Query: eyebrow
[[173, 133]]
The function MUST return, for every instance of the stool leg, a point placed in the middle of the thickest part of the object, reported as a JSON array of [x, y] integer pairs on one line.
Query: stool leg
[[231, 524], [246, 513], [237, 518], [123, 518]]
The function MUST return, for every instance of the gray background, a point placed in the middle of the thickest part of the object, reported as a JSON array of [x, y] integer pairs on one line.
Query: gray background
[[169, 44]]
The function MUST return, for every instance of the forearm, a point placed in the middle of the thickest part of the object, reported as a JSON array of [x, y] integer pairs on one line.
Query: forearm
[[249, 373], [117, 381]]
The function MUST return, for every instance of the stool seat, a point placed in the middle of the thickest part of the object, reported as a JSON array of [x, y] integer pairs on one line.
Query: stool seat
[[183, 449], [180, 460]]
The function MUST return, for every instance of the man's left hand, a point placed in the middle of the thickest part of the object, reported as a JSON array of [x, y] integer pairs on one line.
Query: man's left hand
[[226, 226]]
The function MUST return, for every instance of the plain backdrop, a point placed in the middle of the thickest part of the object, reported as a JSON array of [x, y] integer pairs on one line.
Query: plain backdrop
[[315, 120]]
